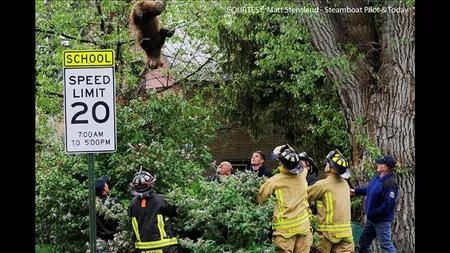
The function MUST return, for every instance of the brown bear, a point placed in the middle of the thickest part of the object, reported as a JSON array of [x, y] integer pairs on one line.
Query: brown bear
[[151, 37]]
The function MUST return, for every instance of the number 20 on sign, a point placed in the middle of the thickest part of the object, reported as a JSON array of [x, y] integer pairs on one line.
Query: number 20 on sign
[[89, 101]]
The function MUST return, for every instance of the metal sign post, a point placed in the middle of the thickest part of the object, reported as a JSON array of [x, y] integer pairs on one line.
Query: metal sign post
[[92, 218], [90, 112]]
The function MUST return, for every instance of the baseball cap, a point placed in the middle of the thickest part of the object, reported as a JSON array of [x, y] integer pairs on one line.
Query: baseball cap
[[388, 160], [100, 184]]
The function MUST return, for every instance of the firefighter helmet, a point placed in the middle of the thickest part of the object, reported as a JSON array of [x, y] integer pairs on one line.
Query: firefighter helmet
[[304, 156], [142, 183], [289, 158], [337, 161], [277, 151]]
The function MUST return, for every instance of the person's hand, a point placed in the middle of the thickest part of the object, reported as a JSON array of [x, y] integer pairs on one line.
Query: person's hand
[[352, 192]]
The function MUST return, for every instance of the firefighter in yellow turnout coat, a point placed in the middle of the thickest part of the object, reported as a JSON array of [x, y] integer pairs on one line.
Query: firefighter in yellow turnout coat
[[333, 206], [291, 228]]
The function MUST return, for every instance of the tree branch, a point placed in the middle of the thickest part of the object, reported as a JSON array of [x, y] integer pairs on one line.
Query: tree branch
[[65, 36], [199, 68], [99, 10]]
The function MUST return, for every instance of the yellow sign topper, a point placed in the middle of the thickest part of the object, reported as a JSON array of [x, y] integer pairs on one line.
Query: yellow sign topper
[[88, 58]]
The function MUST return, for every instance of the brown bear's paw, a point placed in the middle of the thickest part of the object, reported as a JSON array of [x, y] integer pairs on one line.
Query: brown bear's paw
[[170, 33]]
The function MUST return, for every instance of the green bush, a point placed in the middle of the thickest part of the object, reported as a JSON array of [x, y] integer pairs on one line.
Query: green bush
[[62, 210], [221, 216]]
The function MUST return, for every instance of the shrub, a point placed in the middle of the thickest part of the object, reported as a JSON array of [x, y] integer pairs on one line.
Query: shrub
[[221, 216]]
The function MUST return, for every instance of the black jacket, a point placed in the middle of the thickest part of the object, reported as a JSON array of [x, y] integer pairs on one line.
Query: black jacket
[[311, 178], [261, 172], [150, 221], [106, 227]]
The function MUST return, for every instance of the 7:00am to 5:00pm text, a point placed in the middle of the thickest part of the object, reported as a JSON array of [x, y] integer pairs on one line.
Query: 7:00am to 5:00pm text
[[92, 142], [91, 134]]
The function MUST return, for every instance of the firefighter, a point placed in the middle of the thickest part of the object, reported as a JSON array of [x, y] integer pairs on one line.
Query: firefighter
[[291, 227], [333, 206], [150, 216]]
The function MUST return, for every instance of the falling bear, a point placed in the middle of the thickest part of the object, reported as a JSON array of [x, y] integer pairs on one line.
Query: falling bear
[[150, 35]]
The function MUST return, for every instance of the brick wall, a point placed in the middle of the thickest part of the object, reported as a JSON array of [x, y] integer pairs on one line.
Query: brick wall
[[236, 147]]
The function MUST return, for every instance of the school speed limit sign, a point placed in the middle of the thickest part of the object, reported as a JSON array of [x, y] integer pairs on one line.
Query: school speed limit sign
[[89, 101]]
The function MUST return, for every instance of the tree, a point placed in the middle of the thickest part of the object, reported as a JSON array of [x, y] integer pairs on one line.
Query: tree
[[377, 97], [269, 79]]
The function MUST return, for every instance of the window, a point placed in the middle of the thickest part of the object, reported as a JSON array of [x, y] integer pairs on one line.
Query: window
[[238, 165]]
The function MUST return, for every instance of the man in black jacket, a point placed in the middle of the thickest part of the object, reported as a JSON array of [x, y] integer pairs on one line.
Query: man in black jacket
[[106, 226], [150, 217]]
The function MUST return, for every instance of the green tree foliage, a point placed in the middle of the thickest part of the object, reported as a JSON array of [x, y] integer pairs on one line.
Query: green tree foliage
[[166, 135], [273, 80], [77, 25]]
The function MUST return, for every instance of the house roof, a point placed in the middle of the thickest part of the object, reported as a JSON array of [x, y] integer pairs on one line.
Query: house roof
[[187, 58], [158, 78]]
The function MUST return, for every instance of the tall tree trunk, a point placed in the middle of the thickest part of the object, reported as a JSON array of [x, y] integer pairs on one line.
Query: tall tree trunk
[[380, 91], [394, 110]]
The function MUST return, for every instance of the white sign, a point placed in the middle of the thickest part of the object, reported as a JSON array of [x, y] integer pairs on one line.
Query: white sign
[[89, 106]]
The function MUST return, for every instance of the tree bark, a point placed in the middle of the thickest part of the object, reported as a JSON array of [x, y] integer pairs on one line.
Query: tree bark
[[380, 91], [394, 110]]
